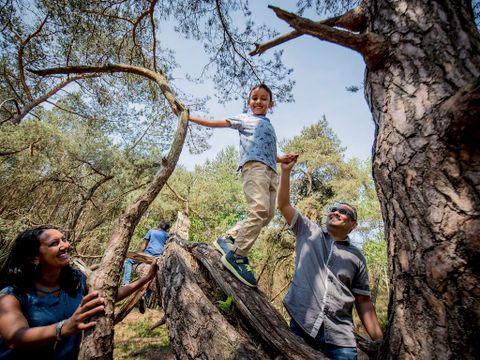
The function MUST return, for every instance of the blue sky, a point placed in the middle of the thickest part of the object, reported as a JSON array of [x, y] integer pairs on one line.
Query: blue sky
[[321, 71]]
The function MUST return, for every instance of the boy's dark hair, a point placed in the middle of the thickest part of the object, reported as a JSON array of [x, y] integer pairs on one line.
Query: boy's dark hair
[[264, 87], [164, 225]]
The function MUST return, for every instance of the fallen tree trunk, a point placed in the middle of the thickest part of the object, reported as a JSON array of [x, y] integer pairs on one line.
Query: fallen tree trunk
[[193, 282]]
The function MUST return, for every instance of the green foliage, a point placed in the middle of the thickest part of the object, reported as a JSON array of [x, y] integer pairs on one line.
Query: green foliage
[[375, 251], [227, 305]]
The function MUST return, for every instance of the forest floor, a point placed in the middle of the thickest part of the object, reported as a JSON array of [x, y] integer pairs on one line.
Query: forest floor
[[135, 340]]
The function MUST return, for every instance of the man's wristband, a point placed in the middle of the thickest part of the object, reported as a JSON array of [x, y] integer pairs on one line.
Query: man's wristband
[[58, 330]]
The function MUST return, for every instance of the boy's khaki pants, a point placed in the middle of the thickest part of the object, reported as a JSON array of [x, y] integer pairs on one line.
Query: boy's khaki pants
[[259, 184]]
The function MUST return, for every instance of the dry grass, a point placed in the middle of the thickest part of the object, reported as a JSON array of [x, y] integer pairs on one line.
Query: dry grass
[[135, 340]]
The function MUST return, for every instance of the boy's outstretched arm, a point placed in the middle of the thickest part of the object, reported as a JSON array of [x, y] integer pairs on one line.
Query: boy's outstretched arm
[[283, 198], [210, 123]]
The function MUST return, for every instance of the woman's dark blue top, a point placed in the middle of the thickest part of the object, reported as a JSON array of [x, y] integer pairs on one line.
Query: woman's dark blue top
[[47, 310]]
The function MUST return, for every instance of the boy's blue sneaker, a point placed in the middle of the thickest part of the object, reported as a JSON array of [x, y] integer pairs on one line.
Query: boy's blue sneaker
[[224, 244], [238, 266]]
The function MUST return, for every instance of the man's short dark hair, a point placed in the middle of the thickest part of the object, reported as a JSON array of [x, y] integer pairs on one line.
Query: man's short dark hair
[[164, 225], [354, 210]]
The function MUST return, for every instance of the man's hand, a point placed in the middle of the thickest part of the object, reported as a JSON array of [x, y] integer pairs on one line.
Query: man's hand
[[287, 158], [287, 166]]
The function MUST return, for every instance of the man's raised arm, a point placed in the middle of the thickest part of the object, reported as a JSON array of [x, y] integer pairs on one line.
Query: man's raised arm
[[283, 198]]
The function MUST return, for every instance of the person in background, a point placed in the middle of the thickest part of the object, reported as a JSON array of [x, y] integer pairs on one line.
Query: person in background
[[330, 277], [153, 244], [45, 303]]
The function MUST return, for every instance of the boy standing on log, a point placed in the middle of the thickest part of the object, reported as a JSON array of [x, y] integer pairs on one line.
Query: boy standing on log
[[258, 158], [330, 277]]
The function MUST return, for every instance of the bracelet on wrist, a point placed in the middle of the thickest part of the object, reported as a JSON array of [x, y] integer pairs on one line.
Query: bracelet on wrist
[[58, 330]]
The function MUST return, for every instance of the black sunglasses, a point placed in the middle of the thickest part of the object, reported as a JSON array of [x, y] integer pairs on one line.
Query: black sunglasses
[[343, 211]]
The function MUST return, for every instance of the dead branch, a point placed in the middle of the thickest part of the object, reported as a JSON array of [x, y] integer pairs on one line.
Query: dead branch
[[193, 318], [158, 323], [371, 46], [141, 257], [353, 20], [130, 304]]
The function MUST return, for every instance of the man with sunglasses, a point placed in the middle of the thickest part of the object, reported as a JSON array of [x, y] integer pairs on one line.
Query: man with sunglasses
[[330, 277]]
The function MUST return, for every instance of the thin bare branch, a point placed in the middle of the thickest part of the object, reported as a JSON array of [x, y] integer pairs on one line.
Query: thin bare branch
[[5, 101], [34, 103], [93, 168], [353, 20], [21, 49], [67, 110], [232, 40], [137, 22], [154, 37]]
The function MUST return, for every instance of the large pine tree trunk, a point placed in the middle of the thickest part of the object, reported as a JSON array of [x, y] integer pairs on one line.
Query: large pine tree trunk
[[425, 100]]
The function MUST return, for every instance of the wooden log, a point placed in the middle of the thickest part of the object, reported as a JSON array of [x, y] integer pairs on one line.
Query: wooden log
[[197, 329]]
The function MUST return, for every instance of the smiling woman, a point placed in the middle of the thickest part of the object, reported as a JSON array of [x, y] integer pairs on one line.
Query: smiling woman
[[45, 303]]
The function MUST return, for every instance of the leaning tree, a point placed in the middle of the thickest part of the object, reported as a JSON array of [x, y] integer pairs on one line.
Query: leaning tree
[[422, 84]]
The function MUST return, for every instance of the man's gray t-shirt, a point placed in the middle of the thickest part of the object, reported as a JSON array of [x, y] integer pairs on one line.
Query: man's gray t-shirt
[[258, 141], [327, 275]]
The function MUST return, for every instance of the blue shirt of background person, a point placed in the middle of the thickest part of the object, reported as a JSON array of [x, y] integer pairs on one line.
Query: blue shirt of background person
[[156, 239], [153, 244]]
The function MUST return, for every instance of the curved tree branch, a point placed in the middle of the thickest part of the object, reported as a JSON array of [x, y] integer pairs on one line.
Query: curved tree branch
[[98, 343], [156, 76]]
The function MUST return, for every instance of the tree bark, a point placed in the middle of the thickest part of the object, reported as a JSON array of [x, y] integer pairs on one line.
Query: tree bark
[[425, 103]]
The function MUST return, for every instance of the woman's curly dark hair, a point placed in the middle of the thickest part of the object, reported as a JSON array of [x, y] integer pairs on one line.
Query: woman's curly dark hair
[[19, 270]]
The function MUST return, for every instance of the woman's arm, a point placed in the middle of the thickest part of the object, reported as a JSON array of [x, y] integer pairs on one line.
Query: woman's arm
[[128, 289], [210, 123], [15, 331]]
